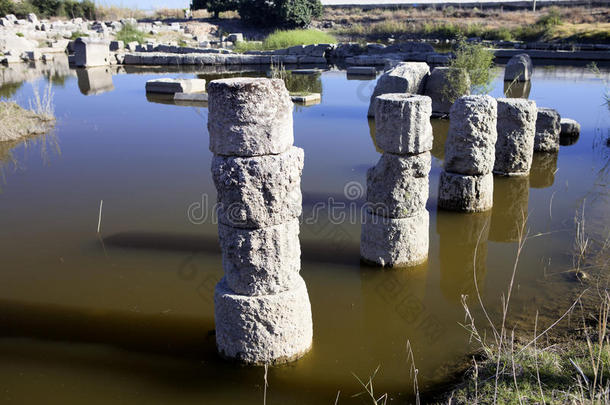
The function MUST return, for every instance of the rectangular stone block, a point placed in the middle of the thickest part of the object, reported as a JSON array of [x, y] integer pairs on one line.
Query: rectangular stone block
[[516, 130], [397, 187], [402, 123], [548, 129], [259, 191], [464, 193], [91, 52], [171, 86]]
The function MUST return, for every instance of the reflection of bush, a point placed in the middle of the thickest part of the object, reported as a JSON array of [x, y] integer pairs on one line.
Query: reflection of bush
[[306, 84], [10, 89]]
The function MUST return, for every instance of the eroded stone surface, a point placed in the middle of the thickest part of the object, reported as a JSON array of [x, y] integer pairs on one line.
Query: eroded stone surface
[[172, 86], [569, 127], [405, 77], [261, 261], [249, 117], [471, 141], [397, 186], [395, 242], [548, 128], [91, 52], [465, 193], [516, 130], [259, 191], [402, 123], [439, 90], [519, 68], [263, 329]]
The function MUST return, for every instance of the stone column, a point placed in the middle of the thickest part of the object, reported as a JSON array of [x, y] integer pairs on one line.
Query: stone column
[[516, 129], [395, 224], [262, 309], [548, 128], [466, 184]]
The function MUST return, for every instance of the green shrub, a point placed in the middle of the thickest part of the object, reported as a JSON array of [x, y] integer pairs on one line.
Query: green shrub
[[129, 33], [285, 39], [78, 34], [22, 9], [6, 7], [215, 6], [477, 61], [19, 34], [48, 8], [281, 13], [76, 9], [551, 19]]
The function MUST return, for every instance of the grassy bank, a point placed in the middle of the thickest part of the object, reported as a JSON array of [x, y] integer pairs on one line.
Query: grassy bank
[[550, 24], [17, 122], [285, 39]]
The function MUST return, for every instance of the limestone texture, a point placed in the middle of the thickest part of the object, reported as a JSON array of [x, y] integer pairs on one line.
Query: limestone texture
[[91, 52], [395, 242], [265, 329], [548, 128], [570, 132], [465, 193], [519, 68], [397, 187], [516, 131], [260, 191], [470, 145], [249, 117], [261, 261], [402, 123]]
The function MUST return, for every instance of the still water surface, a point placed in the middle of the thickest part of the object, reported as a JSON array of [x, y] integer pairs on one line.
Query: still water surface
[[127, 316]]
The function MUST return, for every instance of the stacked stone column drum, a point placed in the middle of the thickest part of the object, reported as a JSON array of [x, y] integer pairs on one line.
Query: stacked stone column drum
[[262, 309], [466, 184], [395, 224]]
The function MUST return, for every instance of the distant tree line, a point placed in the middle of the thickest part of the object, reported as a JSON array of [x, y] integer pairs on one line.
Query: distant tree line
[[268, 13], [49, 8]]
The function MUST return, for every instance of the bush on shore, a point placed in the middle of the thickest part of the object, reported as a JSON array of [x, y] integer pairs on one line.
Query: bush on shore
[[284, 39], [49, 8], [129, 33]]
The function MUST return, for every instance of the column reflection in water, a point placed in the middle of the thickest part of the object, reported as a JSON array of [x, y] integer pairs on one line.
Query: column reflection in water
[[440, 129], [463, 252], [511, 197], [94, 80], [544, 167]]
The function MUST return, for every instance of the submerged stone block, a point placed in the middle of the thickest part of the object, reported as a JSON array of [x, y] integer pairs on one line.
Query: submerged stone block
[[402, 123], [516, 131], [395, 242], [405, 77], [519, 68], [471, 141], [264, 329], [259, 191], [261, 261], [171, 86], [465, 193], [91, 52], [570, 131], [397, 187], [249, 117], [548, 128], [440, 89]]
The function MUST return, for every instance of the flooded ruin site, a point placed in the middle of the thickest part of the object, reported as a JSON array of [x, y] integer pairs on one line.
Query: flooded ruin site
[[110, 247]]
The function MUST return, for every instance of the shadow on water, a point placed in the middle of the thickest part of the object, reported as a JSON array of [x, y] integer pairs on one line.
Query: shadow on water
[[463, 252], [544, 167]]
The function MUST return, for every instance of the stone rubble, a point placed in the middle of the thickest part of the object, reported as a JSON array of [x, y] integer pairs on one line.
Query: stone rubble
[[262, 309]]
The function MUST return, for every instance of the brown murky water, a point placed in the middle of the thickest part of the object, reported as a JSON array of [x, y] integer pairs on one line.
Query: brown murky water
[[127, 316]]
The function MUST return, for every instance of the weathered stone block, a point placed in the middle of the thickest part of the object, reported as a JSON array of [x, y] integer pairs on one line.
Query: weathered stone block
[[464, 193], [548, 128], [403, 123], [264, 329], [471, 141], [261, 261], [260, 191], [516, 130], [91, 52], [249, 117], [116, 45], [395, 242], [519, 68], [171, 86], [570, 131], [406, 77], [397, 187], [439, 88]]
